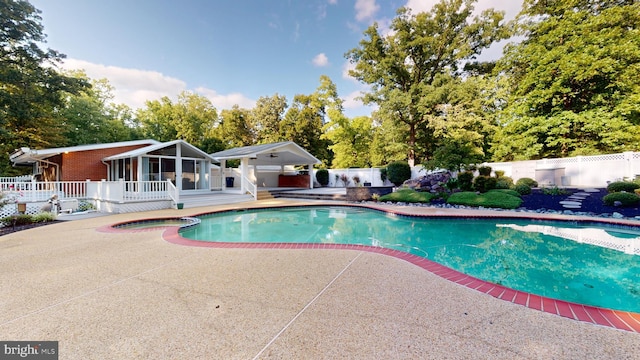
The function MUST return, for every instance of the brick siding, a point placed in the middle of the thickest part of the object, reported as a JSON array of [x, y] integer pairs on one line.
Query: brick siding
[[83, 165]]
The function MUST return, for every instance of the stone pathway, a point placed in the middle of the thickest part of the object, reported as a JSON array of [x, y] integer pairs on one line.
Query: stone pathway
[[575, 200]]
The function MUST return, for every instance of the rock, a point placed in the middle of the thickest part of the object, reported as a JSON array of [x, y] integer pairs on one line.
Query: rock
[[616, 215], [617, 203]]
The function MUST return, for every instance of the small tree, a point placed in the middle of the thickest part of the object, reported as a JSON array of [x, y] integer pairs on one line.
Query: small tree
[[322, 175], [398, 172]]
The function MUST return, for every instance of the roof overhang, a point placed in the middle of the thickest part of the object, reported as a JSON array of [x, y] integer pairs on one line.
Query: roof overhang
[[282, 153], [25, 155], [187, 150]]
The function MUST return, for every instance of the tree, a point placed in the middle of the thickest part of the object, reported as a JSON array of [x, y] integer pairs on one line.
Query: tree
[[574, 81], [235, 127], [303, 123], [31, 87], [192, 118], [156, 120], [266, 117], [350, 141], [90, 117], [423, 51]]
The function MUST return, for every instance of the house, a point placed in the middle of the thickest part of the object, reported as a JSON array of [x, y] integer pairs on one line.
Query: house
[[186, 166]]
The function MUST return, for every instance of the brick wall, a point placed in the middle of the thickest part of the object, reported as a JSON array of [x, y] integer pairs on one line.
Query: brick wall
[[83, 165]]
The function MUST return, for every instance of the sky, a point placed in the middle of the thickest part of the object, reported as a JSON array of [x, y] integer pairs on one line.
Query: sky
[[232, 52]]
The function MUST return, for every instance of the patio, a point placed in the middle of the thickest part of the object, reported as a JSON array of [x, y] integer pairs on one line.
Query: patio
[[134, 295]]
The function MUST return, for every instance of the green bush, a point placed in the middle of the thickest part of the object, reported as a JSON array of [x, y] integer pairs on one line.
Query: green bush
[[43, 217], [491, 199], [322, 175], [625, 199], [523, 189], [619, 186], [554, 191], [484, 183], [527, 181], [408, 196], [504, 182], [383, 174], [452, 184], [499, 173], [465, 181], [398, 172], [507, 191], [484, 170], [18, 220]]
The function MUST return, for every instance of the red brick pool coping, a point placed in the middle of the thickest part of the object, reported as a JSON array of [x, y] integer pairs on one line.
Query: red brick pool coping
[[622, 320]]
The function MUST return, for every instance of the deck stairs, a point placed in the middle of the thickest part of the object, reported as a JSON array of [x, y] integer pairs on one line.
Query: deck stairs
[[215, 198], [293, 194]]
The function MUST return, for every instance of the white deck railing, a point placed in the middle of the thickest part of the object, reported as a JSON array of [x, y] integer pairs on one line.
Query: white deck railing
[[251, 188], [129, 191], [216, 182], [31, 191]]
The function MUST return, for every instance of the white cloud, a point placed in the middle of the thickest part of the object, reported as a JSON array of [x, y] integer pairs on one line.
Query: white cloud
[[345, 71], [227, 101], [320, 60], [134, 87], [333, 2], [366, 9]]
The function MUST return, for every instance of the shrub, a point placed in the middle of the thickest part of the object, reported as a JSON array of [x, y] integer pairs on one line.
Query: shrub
[[491, 199], [507, 191], [499, 173], [504, 182], [43, 217], [465, 181], [18, 220], [356, 180], [527, 181], [523, 189], [345, 179], [554, 191], [452, 184], [484, 170], [484, 183], [322, 175], [398, 172], [383, 174], [619, 186], [625, 199], [408, 196]]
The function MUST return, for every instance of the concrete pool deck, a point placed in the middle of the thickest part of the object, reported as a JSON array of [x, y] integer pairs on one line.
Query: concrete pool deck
[[134, 295]]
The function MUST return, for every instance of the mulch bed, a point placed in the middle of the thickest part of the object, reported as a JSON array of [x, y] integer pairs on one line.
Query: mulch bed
[[11, 229], [592, 204]]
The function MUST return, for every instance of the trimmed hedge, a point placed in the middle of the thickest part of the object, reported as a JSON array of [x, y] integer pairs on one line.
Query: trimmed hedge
[[465, 181], [523, 189], [625, 199], [398, 172], [409, 196], [322, 175], [484, 183], [527, 181], [619, 186], [491, 199]]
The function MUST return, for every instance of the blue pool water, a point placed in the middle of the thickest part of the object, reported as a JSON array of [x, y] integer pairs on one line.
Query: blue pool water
[[552, 259]]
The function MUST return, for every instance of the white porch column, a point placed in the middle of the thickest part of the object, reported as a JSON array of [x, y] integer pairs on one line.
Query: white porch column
[[223, 165], [310, 169], [179, 167], [140, 170], [245, 174]]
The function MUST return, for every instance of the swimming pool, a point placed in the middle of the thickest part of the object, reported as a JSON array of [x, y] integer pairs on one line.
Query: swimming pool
[[584, 263]]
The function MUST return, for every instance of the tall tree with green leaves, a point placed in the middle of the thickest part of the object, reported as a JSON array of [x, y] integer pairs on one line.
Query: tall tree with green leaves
[[303, 123], [235, 127], [350, 141], [31, 86], [266, 117], [574, 80], [406, 68]]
